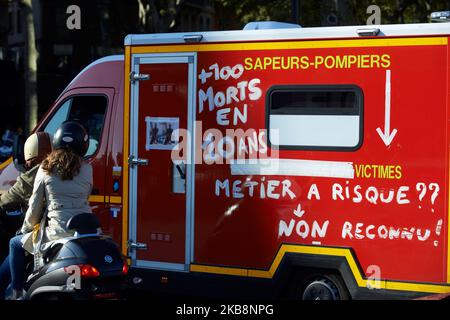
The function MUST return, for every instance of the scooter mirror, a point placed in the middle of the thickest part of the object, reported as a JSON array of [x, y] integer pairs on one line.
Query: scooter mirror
[[18, 153]]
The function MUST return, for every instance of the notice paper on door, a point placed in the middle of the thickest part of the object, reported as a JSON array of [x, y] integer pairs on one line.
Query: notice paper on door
[[162, 133]]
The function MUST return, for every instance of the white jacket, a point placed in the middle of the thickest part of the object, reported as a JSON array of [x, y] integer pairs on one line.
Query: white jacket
[[64, 199]]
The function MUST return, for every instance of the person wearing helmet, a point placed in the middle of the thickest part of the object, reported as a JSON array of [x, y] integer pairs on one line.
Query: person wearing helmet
[[36, 148], [63, 184]]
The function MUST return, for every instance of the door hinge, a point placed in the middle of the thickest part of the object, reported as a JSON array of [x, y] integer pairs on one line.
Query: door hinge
[[138, 76]]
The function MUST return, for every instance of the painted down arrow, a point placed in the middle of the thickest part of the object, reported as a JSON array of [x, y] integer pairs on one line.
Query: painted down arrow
[[387, 136]]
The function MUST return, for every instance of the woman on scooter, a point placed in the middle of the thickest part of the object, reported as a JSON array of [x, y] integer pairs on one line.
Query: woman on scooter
[[63, 184]]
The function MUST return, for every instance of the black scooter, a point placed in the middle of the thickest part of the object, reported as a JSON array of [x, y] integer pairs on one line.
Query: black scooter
[[86, 266]]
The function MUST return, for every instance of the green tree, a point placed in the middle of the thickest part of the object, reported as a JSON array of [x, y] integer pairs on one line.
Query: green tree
[[159, 15], [314, 13], [250, 10], [402, 11]]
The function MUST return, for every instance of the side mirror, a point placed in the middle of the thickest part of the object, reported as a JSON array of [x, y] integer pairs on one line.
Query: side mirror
[[18, 155]]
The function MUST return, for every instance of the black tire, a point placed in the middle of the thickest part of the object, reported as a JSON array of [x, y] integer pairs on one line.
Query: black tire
[[322, 287]]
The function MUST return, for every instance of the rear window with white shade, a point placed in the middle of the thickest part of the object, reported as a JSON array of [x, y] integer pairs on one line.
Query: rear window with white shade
[[315, 117]]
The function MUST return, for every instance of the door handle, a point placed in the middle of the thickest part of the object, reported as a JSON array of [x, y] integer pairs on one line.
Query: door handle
[[178, 177], [137, 245], [132, 161], [138, 77], [181, 171]]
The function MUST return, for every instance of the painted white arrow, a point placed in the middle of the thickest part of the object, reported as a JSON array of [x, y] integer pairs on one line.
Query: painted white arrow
[[299, 212], [387, 136]]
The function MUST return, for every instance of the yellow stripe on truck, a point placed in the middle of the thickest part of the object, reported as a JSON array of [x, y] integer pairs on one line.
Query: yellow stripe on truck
[[299, 44], [107, 199], [115, 200], [5, 163], [96, 198], [323, 251], [126, 148]]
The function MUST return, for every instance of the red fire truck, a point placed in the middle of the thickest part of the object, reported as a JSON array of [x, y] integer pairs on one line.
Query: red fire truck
[[287, 162]]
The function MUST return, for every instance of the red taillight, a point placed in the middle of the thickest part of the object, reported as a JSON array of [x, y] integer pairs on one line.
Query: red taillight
[[125, 268], [109, 295], [86, 270]]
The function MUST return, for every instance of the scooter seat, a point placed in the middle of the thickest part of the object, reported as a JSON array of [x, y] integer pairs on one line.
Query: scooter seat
[[84, 223]]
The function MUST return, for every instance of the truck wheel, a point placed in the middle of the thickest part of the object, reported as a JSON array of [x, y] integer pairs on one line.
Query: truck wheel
[[323, 287]]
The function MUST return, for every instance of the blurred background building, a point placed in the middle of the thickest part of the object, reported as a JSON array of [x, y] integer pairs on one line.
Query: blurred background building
[[39, 54], [62, 53]]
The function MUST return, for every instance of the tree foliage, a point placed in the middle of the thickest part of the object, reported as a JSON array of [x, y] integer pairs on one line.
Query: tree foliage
[[249, 10], [159, 15], [402, 11], [163, 15], [328, 12]]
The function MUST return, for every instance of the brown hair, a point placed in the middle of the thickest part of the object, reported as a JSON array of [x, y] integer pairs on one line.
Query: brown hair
[[64, 162]]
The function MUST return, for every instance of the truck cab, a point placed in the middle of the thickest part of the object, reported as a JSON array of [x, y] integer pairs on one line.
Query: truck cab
[[95, 98]]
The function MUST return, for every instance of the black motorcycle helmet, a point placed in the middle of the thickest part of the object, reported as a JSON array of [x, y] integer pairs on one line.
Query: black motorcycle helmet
[[71, 135]]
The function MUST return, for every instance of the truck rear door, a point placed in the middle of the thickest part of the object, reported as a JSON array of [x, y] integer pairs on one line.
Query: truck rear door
[[160, 187]]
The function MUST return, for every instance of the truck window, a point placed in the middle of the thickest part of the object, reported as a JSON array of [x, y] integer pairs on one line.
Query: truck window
[[59, 116], [89, 110], [315, 117]]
